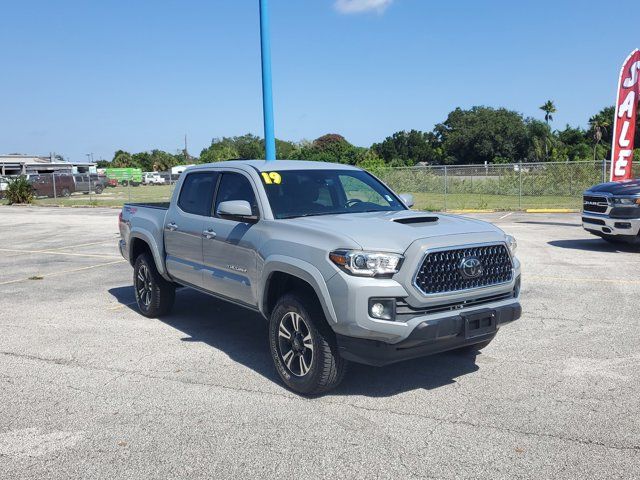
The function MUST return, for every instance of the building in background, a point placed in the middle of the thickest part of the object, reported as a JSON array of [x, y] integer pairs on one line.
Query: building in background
[[17, 164]]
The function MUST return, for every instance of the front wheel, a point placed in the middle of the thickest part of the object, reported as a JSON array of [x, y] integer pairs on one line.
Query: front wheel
[[303, 346], [154, 295]]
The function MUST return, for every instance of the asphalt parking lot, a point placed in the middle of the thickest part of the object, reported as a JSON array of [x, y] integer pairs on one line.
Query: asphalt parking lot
[[91, 389]]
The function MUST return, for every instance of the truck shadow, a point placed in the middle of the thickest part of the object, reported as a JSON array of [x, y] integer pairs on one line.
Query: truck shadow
[[594, 245], [242, 335]]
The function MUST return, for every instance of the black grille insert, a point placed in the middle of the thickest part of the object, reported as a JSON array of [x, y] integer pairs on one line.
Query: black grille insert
[[442, 271], [592, 203]]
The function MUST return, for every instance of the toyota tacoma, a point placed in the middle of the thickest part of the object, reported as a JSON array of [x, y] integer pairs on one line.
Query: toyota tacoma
[[336, 262]]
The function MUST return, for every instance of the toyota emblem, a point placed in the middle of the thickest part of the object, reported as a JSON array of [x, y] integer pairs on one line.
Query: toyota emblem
[[470, 267]]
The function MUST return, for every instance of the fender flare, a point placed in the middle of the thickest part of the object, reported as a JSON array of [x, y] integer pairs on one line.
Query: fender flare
[[147, 237], [302, 270]]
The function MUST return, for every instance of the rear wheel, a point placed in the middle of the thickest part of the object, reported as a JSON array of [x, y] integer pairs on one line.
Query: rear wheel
[[124, 183], [303, 346], [66, 192], [98, 190], [154, 295]]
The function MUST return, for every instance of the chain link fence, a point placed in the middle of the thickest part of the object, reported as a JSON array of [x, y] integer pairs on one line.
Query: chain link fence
[[68, 189], [517, 186]]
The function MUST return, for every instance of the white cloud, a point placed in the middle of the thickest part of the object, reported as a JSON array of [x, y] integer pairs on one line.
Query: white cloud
[[359, 6]]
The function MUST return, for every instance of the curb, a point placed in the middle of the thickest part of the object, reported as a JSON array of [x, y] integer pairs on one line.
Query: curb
[[552, 210]]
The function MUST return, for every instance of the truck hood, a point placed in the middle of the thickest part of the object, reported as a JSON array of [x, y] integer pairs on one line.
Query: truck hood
[[626, 187], [393, 231]]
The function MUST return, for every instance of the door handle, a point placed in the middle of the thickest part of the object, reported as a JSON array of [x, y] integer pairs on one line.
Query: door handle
[[209, 234], [171, 226]]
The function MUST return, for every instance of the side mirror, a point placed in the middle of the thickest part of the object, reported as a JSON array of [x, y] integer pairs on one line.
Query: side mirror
[[238, 210], [407, 199]]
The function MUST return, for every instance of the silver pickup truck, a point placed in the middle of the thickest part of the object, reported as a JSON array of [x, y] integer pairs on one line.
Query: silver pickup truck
[[336, 262]]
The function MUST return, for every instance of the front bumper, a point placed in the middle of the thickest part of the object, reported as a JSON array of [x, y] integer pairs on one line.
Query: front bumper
[[600, 224], [431, 336]]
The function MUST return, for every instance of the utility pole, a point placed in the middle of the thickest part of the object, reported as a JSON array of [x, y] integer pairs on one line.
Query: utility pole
[[267, 98]]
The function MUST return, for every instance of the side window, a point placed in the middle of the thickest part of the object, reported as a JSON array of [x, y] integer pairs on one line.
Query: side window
[[235, 186], [196, 195]]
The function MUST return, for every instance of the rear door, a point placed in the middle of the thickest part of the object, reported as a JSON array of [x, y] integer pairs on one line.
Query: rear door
[[229, 246], [184, 224]]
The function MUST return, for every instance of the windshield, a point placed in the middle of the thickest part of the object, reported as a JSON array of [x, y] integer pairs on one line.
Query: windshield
[[301, 193]]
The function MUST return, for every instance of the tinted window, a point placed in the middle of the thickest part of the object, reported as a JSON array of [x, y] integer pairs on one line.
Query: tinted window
[[196, 195], [235, 186]]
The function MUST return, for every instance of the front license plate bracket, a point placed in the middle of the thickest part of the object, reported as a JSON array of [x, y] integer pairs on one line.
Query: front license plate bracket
[[479, 324]]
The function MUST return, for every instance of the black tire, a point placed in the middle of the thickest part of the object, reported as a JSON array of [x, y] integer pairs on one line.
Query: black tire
[[476, 347], [311, 345], [124, 183], [98, 190], [66, 192], [154, 295]]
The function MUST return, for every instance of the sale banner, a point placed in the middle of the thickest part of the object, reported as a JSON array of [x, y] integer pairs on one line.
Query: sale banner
[[624, 125]]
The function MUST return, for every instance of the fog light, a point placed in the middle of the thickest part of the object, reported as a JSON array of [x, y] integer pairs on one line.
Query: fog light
[[377, 310], [382, 308]]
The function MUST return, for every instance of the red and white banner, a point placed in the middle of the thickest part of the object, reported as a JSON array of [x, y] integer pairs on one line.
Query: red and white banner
[[624, 125]]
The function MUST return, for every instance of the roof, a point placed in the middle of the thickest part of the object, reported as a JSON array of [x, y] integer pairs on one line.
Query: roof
[[280, 165]]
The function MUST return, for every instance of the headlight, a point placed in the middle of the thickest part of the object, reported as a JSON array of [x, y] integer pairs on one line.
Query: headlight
[[626, 201], [366, 264], [511, 243]]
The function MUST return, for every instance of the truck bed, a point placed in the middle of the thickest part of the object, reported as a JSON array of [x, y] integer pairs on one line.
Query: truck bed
[[158, 205]]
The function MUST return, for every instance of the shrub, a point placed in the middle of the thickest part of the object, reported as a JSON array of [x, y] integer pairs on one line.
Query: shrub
[[19, 190]]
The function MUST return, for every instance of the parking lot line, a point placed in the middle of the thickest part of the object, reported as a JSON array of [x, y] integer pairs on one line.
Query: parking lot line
[[82, 245], [505, 216], [55, 274], [54, 252]]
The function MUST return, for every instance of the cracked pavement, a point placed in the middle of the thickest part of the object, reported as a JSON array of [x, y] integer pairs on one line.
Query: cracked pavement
[[91, 389]]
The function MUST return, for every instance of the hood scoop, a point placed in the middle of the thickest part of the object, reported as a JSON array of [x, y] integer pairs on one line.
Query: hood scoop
[[413, 220]]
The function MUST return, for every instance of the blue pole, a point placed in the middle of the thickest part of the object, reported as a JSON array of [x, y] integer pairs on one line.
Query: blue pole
[[267, 99]]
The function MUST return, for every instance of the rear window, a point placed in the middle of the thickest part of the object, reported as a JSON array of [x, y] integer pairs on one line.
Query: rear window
[[196, 195]]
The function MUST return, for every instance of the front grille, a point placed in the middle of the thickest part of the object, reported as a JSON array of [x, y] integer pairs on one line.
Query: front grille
[[592, 203], [442, 272]]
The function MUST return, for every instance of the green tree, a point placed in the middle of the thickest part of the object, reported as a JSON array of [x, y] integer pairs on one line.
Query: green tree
[[482, 134], [121, 159], [409, 148], [549, 109]]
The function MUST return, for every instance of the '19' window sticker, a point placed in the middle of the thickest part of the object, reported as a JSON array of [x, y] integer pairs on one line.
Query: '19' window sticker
[[270, 178]]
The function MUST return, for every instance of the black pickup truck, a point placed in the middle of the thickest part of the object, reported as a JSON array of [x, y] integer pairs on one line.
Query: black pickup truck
[[612, 211]]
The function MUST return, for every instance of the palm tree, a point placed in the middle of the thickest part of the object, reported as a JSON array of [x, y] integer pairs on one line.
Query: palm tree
[[598, 123], [548, 108]]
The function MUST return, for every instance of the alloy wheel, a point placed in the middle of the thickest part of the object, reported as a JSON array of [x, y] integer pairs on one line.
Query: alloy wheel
[[143, 285], [295, 344]]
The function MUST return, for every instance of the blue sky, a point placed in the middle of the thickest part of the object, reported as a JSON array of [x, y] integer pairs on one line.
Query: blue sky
[[85, 76]]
